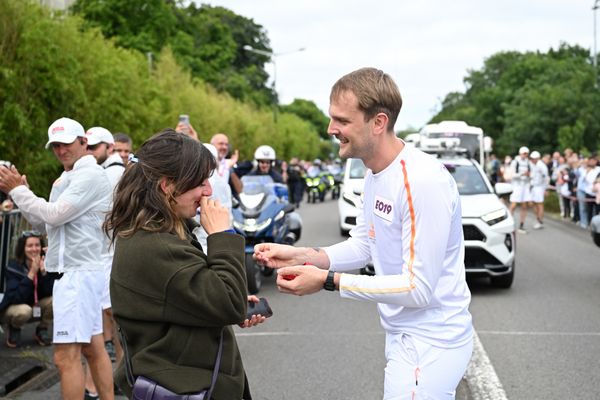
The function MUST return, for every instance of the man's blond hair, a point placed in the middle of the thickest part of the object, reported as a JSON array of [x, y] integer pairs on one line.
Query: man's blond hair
[[375, 90]]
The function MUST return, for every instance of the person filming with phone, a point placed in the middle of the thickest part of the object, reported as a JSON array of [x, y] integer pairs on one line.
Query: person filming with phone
[[174, 303]]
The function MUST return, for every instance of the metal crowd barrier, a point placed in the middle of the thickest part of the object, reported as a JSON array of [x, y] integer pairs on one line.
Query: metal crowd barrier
[[12, 224]]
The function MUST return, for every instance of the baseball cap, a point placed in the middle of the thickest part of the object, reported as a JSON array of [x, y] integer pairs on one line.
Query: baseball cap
[[98, 134], [535, 154], [64, 130], [523, 149]]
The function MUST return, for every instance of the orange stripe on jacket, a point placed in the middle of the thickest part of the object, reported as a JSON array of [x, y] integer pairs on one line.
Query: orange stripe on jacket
[[413, 225], [411, 259]]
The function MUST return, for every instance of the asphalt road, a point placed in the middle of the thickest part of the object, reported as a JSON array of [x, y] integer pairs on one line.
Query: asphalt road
[[542, 336]]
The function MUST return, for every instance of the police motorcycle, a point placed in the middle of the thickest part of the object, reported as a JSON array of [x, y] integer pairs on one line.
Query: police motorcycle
[[263, 214], [336, 177], [317, 184]]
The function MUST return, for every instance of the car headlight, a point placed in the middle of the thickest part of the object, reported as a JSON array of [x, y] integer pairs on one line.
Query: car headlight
[[251, 225], [494, 217]]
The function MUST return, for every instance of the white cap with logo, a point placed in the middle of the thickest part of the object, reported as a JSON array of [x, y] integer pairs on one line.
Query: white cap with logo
[[535, 154], [64, 130], [98, 134]]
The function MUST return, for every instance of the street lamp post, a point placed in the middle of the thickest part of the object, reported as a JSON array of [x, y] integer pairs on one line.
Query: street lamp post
[[594, 60], [273, 56]]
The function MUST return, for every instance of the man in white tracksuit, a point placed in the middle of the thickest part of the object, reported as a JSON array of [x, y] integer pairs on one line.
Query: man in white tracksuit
[[410, 228]]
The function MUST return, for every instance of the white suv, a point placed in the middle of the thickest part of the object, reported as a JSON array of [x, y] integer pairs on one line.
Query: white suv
[[488, 227]]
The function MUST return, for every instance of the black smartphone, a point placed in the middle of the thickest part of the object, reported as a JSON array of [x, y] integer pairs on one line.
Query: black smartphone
[[262, 308]]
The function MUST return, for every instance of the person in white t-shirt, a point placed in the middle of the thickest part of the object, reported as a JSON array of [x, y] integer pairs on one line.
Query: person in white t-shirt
[[539, 183], [73, 216], [410, 228]]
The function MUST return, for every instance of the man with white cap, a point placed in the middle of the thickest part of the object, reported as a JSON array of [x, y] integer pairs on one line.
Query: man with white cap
[[101, 144], [540, 179], [72, 219], [521, 181]]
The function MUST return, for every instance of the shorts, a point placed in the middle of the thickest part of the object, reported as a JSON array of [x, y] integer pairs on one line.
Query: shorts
[[416, 370], [105, 303], [537, 194], [76, 300], [520, 194]]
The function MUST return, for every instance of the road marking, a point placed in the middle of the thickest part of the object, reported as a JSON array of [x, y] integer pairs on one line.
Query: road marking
[[523, 333], [481, 377], [250, 334]]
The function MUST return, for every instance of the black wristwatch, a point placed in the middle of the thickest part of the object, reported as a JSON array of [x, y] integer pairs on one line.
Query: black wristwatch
[[329, 283]]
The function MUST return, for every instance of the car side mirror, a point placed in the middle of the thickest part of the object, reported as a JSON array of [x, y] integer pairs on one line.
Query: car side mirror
[[503, 188]]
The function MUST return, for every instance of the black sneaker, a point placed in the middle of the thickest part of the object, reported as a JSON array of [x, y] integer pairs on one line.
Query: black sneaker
[[42, 337], [110, 349], [13, 338]]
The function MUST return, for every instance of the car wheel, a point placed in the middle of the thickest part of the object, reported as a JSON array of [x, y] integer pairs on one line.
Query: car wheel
[[253, 275], [504, 281]]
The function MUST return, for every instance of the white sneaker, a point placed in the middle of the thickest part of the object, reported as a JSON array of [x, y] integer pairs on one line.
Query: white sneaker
[[521, 230], [538, 225]]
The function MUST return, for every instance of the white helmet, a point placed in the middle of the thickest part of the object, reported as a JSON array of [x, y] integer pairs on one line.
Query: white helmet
[[264, 152]]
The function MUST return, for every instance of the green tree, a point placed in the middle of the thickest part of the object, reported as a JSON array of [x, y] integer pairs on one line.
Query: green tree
[[308, 111], [543, 100]]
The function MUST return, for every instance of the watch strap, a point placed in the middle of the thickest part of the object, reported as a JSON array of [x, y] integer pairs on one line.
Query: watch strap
[[329, 281]]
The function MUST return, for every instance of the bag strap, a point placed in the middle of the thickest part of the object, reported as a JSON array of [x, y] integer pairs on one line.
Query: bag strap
[[129, 368]]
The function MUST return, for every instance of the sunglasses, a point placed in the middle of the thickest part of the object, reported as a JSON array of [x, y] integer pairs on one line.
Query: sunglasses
[[264, 162], [31, 234]]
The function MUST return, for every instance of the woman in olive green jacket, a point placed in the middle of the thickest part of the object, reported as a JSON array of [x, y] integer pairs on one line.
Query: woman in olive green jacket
[[170, 299]]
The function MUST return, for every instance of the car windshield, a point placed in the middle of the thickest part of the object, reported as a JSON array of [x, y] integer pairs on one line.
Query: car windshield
[[468, 179], [357, 168]]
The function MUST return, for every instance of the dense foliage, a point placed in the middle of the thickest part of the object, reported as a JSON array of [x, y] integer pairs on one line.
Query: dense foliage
[[51, 67], [207, 40], [543, 100]]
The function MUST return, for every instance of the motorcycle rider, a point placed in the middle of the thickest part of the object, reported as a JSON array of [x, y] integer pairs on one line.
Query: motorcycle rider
[[265, 159]]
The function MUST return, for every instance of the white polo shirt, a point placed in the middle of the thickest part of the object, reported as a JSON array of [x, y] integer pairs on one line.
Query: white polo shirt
[[411, 229]]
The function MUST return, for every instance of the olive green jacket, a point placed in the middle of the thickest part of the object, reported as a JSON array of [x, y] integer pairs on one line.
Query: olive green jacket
[[171, 301]]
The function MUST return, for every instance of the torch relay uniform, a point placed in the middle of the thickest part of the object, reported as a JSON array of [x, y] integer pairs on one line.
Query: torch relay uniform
[[410, 228], [172, 301], [73, 220]]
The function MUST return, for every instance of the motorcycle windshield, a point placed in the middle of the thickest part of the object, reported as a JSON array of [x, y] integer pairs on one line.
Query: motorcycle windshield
[[256, 188], [313, 172]]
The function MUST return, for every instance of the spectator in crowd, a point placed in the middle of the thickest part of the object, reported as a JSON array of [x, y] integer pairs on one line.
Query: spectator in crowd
[[506, 170], [596, 190], [295, 181], [123, 146], [101, 145], [265, 158], [558, 182], [521, 180], [539, 184], [226, 165], [78, 203], [553, 164], [583, 179], [574, 163], [493, 169], [28, 291], [171, 300], [592, 172], [564, 187]]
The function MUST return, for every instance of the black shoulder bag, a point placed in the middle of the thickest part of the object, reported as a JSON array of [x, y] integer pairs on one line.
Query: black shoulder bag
[[147, 389]]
